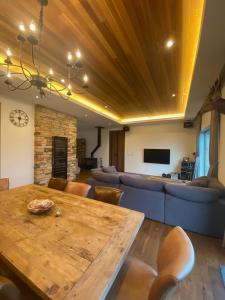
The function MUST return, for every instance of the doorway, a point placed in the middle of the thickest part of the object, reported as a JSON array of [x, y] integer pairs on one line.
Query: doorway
[[116, 149]]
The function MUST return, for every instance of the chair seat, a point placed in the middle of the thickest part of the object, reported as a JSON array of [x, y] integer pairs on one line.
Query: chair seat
[[133, 282]]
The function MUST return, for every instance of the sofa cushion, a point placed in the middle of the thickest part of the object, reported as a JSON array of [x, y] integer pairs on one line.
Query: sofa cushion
[[192, 193], [138, 181], [202, 182], [106, 177], [214, 183], [110, 169]]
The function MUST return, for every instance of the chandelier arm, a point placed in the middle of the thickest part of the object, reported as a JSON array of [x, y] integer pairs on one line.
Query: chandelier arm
[[40, 25], [21, 89], [55, 89], [18, 87], [17, 66], [33, 60], [60, 90], [22, 68]]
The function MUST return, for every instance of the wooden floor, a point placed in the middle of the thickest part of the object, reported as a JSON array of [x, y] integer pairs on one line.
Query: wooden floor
[[83, 176], [204, 283]]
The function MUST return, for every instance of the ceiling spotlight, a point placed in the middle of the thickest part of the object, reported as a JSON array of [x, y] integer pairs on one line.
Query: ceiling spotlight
[[173, 95], [62, 80], [170, 43], [37, 97]]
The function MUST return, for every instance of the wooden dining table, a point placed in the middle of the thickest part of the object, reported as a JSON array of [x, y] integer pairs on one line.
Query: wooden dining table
[[76, 255]]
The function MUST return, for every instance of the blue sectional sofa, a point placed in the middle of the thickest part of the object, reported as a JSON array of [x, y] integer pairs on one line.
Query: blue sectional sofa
[[198, 206]]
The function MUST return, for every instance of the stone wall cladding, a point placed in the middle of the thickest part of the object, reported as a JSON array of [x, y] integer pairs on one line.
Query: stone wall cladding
[[49, 123]]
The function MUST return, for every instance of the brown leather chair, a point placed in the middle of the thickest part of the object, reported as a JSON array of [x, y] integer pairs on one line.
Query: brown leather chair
[[8, 290], [57, 183], [137, 280], [77, 188], [108, 194], [4, 184]]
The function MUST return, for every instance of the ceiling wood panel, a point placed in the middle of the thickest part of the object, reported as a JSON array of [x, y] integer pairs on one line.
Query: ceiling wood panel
[[123, 47]]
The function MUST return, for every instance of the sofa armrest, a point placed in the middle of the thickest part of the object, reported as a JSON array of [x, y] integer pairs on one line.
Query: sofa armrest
[[192, 193]]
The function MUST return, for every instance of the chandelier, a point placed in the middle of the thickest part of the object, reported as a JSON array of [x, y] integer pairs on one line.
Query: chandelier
[[49, 82]]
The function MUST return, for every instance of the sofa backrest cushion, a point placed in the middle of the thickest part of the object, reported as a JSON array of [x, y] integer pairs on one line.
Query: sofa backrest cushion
[[214, 183], [109, 169], [192, 193], [138, 181], [106, 177]]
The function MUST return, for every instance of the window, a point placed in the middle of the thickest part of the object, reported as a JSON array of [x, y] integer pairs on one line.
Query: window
[[204, 141]]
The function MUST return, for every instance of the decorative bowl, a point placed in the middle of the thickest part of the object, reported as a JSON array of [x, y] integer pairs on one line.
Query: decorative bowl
[[40, 206]]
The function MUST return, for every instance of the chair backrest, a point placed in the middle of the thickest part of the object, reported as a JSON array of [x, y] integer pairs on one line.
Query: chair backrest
[[4, 184], [8, 290], [57, 183], [175, 261], [77, 188], [108, 194]]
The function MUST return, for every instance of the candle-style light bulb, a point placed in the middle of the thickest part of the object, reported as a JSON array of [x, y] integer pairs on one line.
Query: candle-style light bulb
[[32, 26], [69, 56], [78, 54], [50, 72], [85, 78], [62, 80], [8, 52], [69, 86], [8, 74], [21, 27]]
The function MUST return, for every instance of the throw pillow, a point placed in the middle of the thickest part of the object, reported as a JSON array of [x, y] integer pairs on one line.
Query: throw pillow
[[109, 169]]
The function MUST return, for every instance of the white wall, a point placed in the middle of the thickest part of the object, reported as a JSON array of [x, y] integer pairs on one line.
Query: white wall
[[170, 135], [17, 144], [222, 150], [91, 142], [181, 141]]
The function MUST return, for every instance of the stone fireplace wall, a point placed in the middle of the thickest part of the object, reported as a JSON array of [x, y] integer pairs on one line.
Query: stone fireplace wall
[[49, 123]]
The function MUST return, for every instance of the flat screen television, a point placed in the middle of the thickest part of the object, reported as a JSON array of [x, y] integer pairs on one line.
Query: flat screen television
[[157, 156]]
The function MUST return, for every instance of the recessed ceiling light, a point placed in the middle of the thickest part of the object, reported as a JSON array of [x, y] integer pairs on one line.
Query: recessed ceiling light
[[169, 43], [37, 97], [173, 95]]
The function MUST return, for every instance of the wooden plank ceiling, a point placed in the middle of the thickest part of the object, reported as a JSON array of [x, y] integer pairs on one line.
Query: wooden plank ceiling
[[123, 47]]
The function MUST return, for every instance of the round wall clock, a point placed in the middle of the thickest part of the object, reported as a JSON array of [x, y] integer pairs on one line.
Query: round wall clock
[[19, 118]]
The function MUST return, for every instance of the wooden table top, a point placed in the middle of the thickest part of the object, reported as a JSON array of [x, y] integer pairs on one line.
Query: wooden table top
[[74, 256]]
